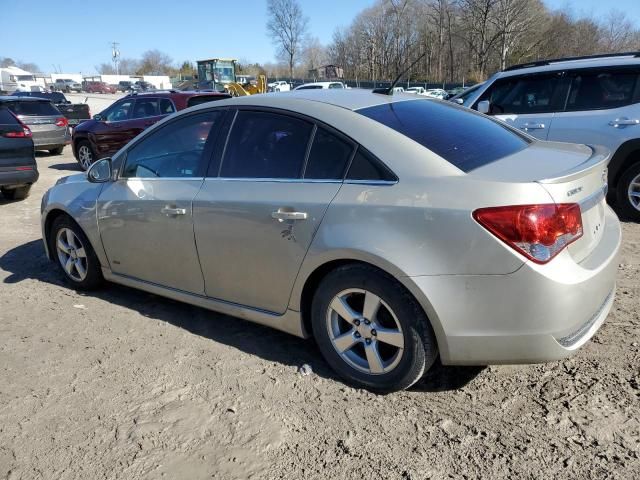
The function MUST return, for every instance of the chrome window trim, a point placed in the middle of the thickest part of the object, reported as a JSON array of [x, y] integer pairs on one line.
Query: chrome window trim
[[272, 180], [371, 182]]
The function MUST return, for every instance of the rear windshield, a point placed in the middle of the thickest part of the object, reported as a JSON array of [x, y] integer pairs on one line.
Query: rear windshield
[[463, 138], [204, 99], [6, 118], [32, 108]]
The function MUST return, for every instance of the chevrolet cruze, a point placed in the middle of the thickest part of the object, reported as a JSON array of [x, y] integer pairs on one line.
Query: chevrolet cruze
[[391, 228]]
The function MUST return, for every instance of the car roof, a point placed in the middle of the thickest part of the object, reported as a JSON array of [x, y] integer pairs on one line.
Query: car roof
[[572, 64], [18, 98], [175, 93]]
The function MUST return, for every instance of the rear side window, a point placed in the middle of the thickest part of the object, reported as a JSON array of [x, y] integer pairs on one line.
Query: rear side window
[[33, 108], [146, 107], [602, 90], [336, 85], [266, 145], [463, 138], [310, 87], [328, 158], [6, 118], [175, 150]]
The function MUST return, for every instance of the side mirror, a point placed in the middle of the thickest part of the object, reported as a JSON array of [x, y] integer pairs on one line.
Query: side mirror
[[97, 116], [101, 171], [484, 107], [459, 101]]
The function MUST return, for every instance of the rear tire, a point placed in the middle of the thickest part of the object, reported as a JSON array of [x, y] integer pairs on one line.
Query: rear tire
[[19, 193], [628, 193], [56, 151], [74, 255], [388, 342], [86, 155]]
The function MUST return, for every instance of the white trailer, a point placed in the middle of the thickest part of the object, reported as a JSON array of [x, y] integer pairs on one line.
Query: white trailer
[[14, 79]]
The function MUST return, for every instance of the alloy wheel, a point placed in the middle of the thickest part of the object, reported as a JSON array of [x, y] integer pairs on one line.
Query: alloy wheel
[[634, 192], [365, 331], [71, 254], [85, 156]]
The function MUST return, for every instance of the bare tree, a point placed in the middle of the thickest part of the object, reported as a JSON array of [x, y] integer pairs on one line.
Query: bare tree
[[155, 62], [287, 27]]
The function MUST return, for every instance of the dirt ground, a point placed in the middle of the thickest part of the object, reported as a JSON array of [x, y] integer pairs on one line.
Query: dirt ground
[[124, 384]]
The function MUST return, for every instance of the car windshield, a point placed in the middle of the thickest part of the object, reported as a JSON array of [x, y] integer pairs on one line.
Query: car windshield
[[465, 139], [32, 108]]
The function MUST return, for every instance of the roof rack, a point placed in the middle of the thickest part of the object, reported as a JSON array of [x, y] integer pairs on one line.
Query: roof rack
[[541, 63]]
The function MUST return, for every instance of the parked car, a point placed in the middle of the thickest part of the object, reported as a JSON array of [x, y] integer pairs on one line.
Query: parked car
[[416, 90], [124, 86], [320, 86], [49, 127], [142, 86], [591, 99], [75, 113], [349, 216], [67, 85], [279, 86], [98, 87], [112, 128], [18, 168], [438, 93]]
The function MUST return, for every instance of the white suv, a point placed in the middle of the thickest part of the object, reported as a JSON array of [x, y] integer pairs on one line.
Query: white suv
[[590, 100]]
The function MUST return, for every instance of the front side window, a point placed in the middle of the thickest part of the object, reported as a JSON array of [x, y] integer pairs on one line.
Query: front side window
[[601, 90], [266, 145], [175, 150], [328, 157], [146, 107], [336, 85], [119, 111], [522, 95]]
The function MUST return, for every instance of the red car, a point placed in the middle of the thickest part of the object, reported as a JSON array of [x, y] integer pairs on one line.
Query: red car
[[114, 127], [98, 87]]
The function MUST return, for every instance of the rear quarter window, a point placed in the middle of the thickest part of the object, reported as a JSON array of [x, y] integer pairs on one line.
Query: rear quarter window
[[463, 138], [6, 118]]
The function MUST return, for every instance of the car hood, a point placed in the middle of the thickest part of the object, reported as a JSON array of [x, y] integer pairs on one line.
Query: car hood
[[77, 178], [85, 126]]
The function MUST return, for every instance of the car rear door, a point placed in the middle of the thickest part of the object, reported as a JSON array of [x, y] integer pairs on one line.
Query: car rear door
[[602, 108], [259, 209], [527, 102], [145, 217], [146, 112]]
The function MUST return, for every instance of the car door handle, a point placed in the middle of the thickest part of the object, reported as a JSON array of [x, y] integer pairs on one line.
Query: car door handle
[[620, 122], [169, 211], [281, 216], [532, 126]]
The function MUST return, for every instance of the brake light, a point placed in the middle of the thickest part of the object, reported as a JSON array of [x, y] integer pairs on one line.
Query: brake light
[[61, 122], [22, 169], [25, 133], [539, 232]]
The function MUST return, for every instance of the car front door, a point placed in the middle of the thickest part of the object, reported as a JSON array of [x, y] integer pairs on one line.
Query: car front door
[[258, 212], [602, 108], [145, 216], [113, 129], [526, 102]]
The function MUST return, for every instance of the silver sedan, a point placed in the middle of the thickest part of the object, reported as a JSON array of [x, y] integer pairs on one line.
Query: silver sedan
[[392, 229]]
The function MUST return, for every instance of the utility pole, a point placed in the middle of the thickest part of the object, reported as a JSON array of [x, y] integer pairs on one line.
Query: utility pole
[[115, 56]]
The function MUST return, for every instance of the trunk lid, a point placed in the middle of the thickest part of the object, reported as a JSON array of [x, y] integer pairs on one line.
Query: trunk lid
[[570, 174]]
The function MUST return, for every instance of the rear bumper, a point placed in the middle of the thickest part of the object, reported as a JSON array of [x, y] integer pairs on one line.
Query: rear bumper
[[47, 139], [16, 178], [538, 313]]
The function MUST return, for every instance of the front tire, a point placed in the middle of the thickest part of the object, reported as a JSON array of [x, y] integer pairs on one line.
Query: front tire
[[628, 193], [86, 155], [371, 330], [74, 255]]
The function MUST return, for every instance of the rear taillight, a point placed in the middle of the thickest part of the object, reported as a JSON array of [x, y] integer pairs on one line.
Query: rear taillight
[[539, 232], [61, 122], [25, 133]]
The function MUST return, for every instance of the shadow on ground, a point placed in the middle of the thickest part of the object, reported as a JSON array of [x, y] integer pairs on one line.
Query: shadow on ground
[[28, 261], [73, 166]]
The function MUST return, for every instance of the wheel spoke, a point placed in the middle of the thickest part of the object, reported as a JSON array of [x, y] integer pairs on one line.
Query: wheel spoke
[[390, 336], [340, 306], [70, 238], [68, 266], [634, 194], [81, 253], [62, 245], [373, 358], [80, 268], [345, 341], [371, 306]]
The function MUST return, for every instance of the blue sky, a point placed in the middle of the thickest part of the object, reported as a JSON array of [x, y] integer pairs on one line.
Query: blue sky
[[79, 37]]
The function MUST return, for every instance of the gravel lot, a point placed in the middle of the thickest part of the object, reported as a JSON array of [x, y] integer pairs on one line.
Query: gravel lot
[[124, 384]]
